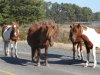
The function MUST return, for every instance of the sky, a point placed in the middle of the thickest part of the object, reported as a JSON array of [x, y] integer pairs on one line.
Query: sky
[[94, 5]]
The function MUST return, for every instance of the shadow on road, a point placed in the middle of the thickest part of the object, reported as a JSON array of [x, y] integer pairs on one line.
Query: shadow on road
[[53, 59], [61, 59], [16, 61]]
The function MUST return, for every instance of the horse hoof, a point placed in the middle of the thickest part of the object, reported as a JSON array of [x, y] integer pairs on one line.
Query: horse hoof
[[11, 55], [82, 60], [34, 60], [5, 54], [38, 64], [73, 58], [94, 66], [47, 65], [85, 66], [79, 58], [8, 55], [15, 56]]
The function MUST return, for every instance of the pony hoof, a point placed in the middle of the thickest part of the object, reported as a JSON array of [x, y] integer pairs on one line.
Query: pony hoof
[[82, 60], [79, 58], [8, 55], [15, 56], [11, 55], [34, 60], [73, 58], [94, 66], [85, 66], [47, 65], [38, 64], [5, 54]]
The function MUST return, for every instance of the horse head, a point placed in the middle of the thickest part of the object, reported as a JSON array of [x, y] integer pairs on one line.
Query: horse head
[[75, 32], [51, 33], [15, 30]]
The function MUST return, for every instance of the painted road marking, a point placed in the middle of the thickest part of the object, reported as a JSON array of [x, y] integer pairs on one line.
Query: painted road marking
[[5, 72]]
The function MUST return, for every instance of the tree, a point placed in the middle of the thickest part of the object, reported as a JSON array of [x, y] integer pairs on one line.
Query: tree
[[64, 12], [25, 11], [96, 16], [87, 14]]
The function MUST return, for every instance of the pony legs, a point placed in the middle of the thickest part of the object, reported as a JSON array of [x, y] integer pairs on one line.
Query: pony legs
[[87, 62], [6, 48], [74, 51], [11, 48], [94, 56], [39, 57], [46, 56], [80, 53], [88, 55], [34, 54], [5, 51], [15, 47]]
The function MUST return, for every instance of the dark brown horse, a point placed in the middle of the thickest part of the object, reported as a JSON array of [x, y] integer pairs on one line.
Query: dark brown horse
[[10, 34], [41, 35], [77, 43]]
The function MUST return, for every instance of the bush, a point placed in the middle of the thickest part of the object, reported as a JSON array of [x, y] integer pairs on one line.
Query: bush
[[63, 37], [23, 36]]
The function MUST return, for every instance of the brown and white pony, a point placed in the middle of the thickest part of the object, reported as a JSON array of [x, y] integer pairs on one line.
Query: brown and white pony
[[40, 36], [10, 34], [77, 43], [91, 40]]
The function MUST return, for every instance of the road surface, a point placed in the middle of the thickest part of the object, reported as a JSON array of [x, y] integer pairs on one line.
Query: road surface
[[60, 63]]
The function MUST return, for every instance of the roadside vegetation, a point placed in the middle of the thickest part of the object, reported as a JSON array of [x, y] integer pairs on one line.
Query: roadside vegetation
[[29, 11], [26, 12]]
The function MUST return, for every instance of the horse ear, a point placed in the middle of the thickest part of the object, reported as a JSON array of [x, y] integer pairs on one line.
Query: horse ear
[[70, 26], [46, 27], [53, 27], [78, 25]]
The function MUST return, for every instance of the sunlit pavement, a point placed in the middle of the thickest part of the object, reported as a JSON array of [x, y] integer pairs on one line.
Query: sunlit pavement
[[60, 63]]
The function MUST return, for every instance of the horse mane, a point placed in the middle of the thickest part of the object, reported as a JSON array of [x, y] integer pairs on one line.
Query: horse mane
[[15, 23], [84, 27]]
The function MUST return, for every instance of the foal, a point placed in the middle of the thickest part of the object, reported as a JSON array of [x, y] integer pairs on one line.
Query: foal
[[10, 34], [90, 41], [77, 43]]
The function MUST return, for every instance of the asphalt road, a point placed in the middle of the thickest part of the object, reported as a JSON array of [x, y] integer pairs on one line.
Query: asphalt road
[[60, 63]]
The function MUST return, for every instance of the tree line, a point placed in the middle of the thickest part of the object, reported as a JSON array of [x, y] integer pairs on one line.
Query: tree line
[[28, 11]]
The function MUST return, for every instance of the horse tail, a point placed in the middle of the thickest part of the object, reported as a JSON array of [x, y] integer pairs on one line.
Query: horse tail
[[2, 30]]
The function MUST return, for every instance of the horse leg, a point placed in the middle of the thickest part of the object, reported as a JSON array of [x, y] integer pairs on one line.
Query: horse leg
[[5, 49], [7, 45], [78, 51], [38, 56], [35, 56], [94, 56], [11, 48], [46, 56], [15, 47], [81, 53], [74, 51], [33, 51], [88, 54]]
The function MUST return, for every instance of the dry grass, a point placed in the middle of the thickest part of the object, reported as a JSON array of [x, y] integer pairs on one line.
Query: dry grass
[[62, 40]]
